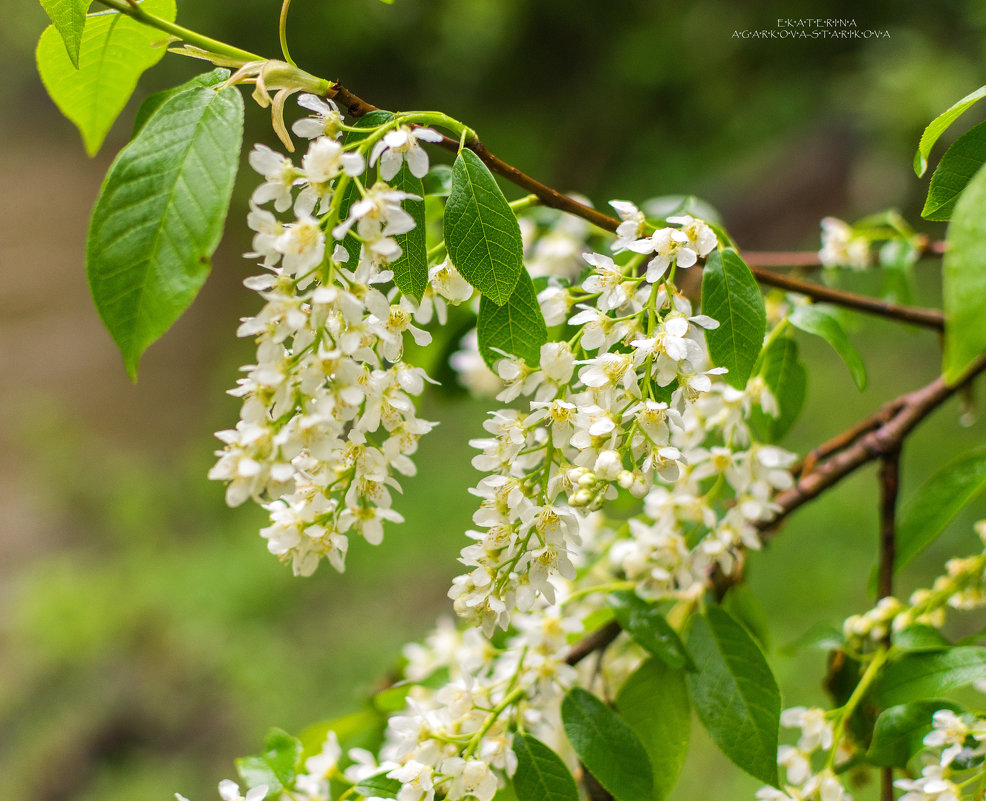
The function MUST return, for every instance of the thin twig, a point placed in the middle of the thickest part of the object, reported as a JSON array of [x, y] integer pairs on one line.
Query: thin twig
[[889, 487]]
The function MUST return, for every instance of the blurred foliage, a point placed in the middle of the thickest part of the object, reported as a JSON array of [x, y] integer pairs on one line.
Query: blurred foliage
[[161, 640]]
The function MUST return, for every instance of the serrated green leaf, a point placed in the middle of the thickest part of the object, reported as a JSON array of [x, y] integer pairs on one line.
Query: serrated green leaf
[[742, 603], [607, 746], [730, 294], [644, 622], [411, 268], [936, 502], [654, 703], [481, 232], [160, 215], [818, 320], [379, 786], [351, 193], [155, 101], [541, 775], [919, 638], [939, 125], [928, 674], [276, 767], [953, 173], [964, 280], [899, 731], [516, 327], [786, 378], [69, 19], [114, 51], [735, 693]]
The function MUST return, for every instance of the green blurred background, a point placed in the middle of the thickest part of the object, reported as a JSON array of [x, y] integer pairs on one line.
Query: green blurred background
[[146, 637]]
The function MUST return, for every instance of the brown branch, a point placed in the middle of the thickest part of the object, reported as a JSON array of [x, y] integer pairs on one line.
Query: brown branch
[[598, 639], [889, 487], [929, 318], [844, 439]]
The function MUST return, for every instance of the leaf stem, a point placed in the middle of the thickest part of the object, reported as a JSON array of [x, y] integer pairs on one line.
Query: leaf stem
[[282, 32]]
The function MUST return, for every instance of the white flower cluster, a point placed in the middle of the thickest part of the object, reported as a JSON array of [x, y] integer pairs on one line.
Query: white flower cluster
[[629, 403], [328, 420], [963, 586], [842, 246], [803, 782], [956, 744]]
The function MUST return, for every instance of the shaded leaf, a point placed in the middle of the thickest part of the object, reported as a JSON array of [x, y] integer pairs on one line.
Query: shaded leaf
[[960, 162], [516, 327], [644, 622], [936, 502], [350, 194], [379, 786], [481, 232], [654, 703], [940, 124], [730, 294], [276, 767], [114, 51], [735, 693], [900, 730], [818, 320], [69, 19], [541, 775], [914, 676], [607, 746], [786, 378], [919, 638], [160, 215]]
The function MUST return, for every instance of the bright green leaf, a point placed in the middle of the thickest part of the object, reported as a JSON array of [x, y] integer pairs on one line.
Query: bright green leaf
[[276, 767], [516, 327], [914, 676], [644, 622], [742, 603], [607, 746], [69, 19], [818, 320], [115, 50], [654, 703], [939, 125], [481, 232], [735, 693], [919, 637], [160, 215], [960, 162], [541, 775], [379, 786], [155, 101], [899, 731], [964, 280], [363, 729], [930, 509], [730, 294], [786, 378]]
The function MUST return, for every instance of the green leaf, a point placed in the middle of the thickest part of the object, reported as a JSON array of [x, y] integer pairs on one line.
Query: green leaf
[[411, 268], [541, 775], [821, 636], [516, 327], [734, 693], [114, 51], [960, 162], [939, 125], [69, 19], [438, 181], [654, 703], [819, 320], [275, 767], [900, 730], [920, 638], [730, 294], [155, 101], [644, 622], [160, 215], [379, 785], [481, 232], [964, 280], [351, 193], [937, 502], [363, 729], [742, 603], [926, 674], [785, 376], [607, 746]]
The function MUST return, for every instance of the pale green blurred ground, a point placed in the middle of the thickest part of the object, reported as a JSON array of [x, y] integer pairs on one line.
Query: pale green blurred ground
[[146, 637]]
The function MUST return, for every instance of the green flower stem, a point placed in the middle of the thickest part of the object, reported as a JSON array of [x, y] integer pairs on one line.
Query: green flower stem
[[190, 37], [488, 723], [526, 202], [282, 33], [845, 713], [613, 586]]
